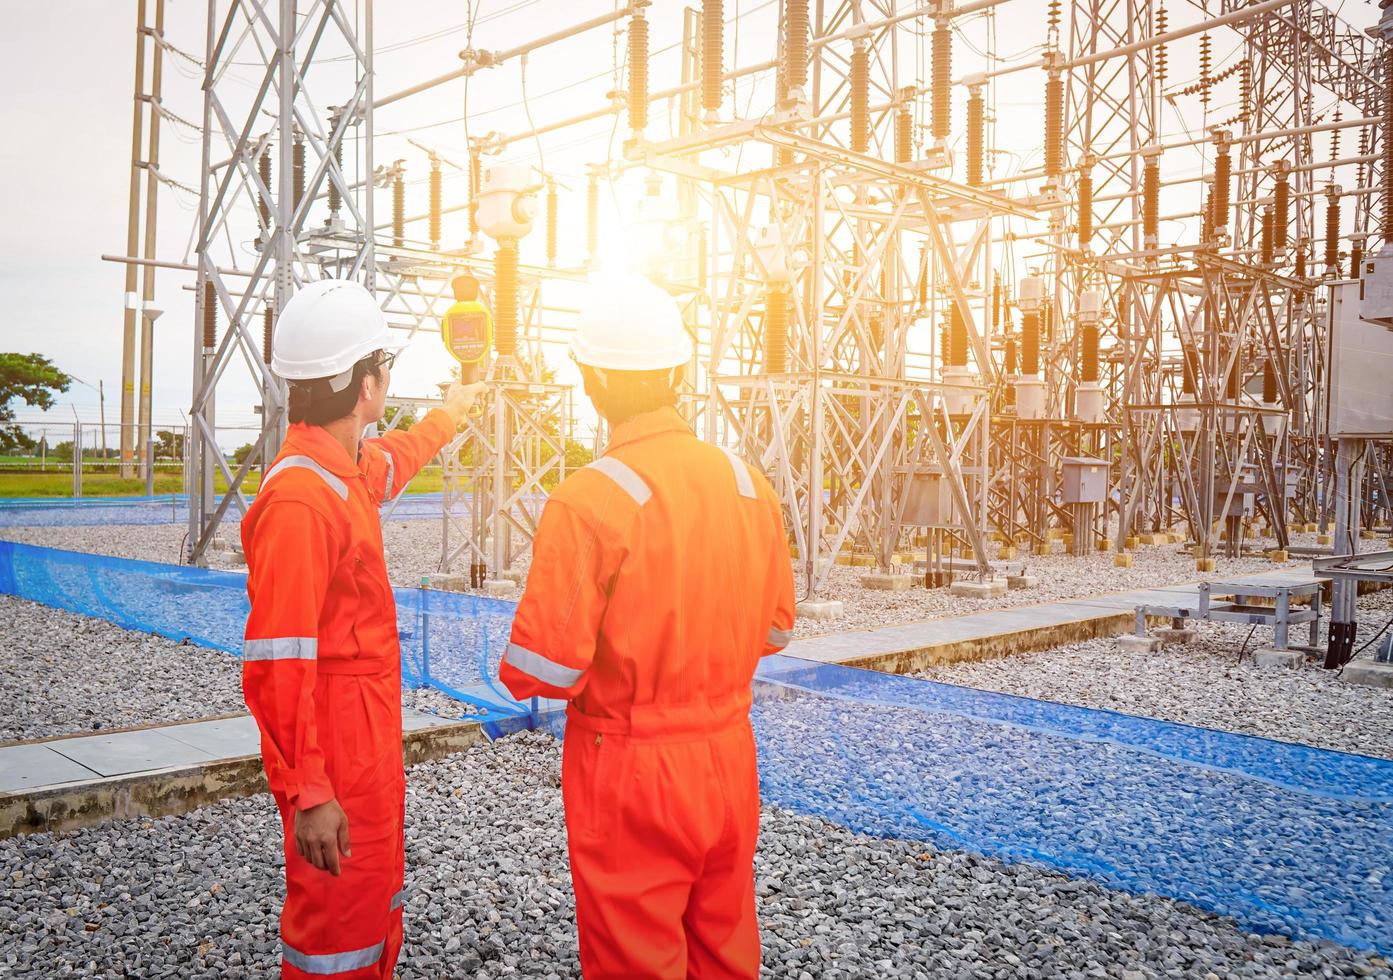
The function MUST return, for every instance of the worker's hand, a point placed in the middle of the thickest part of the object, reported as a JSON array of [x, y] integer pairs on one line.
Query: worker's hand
[[321, 835], [459, 399]]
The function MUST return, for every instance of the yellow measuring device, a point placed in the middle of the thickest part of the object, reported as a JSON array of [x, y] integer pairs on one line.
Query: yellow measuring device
[[467, 328]]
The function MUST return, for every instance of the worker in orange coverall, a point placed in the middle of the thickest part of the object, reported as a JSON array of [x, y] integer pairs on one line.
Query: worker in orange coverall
[[321, 668], [660, 575]]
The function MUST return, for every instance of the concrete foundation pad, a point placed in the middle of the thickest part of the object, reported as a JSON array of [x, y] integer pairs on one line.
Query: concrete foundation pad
[[1043, 549], [1368, 672], [500, 586], [972, 590], [447, 581], [1122, 560], [1131, 542], [887, 582], [1267, 657], [1021, 581], [999, 586], [1007, 553], [1138, 644], [1277, 555], [1168, 636], [825, 609], [1204, 564], [1324, 539]]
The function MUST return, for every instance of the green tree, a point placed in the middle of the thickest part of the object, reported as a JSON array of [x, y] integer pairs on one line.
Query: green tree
[[408, 418], [32, 378], [240, 454]]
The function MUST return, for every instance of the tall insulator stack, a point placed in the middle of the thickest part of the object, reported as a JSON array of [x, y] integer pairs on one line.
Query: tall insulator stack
[[473, 194], [297, 164], [210, 316], [923, 277], [1207, 218], [1030, 344], [976, 136], [1269, 382], [1047, 322], [996, 301], [1009, 364], [335, 199], [1151, 200], [263, 204], [776, 330], [1223, 183], [1206, 81], [505, 298], [1332, 232], [942, 67], [904, 134], [712, 55], [268, 330], [1088, 361], [435, 189], [1054, 125], [398, 208], [1268, 254], [1300, 260], [592, 217], [957, 338], [551, 223], [1085, 193], [638, 73], [1281, 207], [860, 98], [795, 46]]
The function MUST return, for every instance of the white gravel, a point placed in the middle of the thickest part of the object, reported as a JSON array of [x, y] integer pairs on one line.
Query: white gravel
[[197, 896]]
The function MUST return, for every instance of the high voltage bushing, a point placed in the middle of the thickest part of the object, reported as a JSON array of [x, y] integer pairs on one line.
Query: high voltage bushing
[[1269, 382], [860, 98], [1030, 344], [297, 170], [1281, 206], [795, 44], [1332, 232], [592, 216], [335, 201], [776, 330], [957, 337], [1267, 252], [1151, 197], [712, 54], [1161, 53], [551, 223], [268, 327], [505, 298], [473, 193], [435, 186], [904, 135], [945, 345], [638, 73], [398, 209], [996, 300], [942, 54], [923, 277], [1085, 207], [210, 315], [1300, 261], [1009, 357], [1207, 218], [263, 203], [1054, 125], [1088, 361], [1223, 179], [1047, 322], [976, 136]]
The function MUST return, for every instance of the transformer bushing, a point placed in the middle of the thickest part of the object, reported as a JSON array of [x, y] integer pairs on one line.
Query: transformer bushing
[[1090, 397], [1030, 389]]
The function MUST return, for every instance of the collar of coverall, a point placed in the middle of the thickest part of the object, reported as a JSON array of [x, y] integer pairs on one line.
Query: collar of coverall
[[324, 449], [648, 424]]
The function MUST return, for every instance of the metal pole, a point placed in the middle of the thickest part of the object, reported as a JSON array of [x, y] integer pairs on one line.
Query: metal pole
[[148, 311], [132, 243]]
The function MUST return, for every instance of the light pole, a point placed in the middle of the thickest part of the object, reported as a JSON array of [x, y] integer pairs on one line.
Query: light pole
[[101, 409]]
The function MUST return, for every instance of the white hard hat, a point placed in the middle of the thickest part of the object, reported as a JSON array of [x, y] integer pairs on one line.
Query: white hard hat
[[629, 324], [326, 328]]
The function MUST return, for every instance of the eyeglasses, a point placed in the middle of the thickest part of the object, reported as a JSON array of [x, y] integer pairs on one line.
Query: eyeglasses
[[387, 359]]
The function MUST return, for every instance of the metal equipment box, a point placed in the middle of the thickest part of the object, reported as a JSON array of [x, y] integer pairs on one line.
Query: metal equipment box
[[929, 501], [1085, 480]]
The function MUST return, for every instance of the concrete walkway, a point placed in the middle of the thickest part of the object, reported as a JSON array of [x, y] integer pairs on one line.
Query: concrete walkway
[[72, 781]]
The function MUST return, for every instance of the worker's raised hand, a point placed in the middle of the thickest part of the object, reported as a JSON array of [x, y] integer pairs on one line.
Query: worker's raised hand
[[459, 399], [321, 835]]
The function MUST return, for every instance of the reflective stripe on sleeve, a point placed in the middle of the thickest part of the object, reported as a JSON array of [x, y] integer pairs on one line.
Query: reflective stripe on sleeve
[[743, 481], [305, 463], [281, 648], [391, 474], [537, 666], [623, 475], [779, 638], [328, 964]]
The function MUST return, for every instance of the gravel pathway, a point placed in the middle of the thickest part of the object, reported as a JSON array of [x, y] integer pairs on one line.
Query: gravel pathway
[[196, 896], [1203, 683]]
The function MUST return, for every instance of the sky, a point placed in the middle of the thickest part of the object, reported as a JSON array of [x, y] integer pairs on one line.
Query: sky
[[64, 161]]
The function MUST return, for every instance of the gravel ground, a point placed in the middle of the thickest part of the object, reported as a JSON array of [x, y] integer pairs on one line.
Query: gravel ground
[[197, 895], [1203, 683], [413, 550]]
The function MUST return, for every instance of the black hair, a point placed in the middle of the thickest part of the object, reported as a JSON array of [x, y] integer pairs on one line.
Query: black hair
[[624, 394], [316, 403]]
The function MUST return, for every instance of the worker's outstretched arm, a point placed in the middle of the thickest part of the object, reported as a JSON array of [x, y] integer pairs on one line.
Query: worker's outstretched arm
[[290, 558], [558, 620], [404, 453], [780, 583]]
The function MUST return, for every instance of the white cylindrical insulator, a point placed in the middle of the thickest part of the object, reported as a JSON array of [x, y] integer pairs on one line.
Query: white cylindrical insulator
[[1030, 398], [1090, 403], [1090, 305], [507, 206], [1031, 294], [960, 401]]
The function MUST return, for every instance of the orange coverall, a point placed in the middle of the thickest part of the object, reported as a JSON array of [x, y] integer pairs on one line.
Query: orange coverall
[[321, 673], [660, 575]]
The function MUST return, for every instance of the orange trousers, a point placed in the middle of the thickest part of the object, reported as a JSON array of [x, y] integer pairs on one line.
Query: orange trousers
[[662, 818], [350, 927]]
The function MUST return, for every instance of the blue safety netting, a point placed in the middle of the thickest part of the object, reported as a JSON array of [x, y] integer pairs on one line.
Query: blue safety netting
[[1282, 837], [165, 509], [449, 641]]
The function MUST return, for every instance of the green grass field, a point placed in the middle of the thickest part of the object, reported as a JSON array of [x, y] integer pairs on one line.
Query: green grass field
[[104, 484]]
